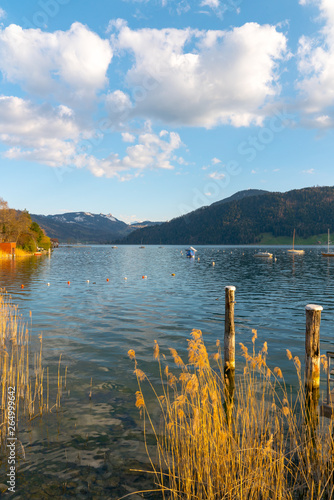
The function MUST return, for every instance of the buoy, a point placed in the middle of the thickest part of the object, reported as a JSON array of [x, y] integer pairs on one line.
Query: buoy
[[22, 286], [125, 278], [173, 274], [68, 282], [87, 281], [107, 279], [213, 263], [198, 258], [144, 277], [48, 284]]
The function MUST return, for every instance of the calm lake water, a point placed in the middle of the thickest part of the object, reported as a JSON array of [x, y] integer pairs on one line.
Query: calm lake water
[[88, 449]]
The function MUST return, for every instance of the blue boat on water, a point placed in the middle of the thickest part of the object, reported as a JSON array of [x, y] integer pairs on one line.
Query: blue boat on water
[[191, 252]]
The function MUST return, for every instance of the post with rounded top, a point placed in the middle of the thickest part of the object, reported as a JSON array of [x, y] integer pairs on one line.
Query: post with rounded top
[[229, 338], [312, 355]]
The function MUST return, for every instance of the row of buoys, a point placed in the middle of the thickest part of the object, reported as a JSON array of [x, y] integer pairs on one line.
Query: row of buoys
[[88, 281]]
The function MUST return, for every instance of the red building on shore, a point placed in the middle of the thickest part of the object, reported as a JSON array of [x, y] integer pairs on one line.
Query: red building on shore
[[8, 248]]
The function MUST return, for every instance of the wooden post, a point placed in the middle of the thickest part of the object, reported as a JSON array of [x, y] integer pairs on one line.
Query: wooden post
[[312, 364], [229, 338], [312, 347]]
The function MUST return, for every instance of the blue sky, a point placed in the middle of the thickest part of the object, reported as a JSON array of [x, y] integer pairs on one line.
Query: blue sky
[[148, 109]]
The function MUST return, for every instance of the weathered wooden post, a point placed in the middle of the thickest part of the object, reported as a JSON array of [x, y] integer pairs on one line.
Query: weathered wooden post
[[229, 339], [312, 358], [312, 347]]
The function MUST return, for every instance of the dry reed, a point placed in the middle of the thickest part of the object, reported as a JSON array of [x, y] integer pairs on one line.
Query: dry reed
[[259, 443], [17, 371]]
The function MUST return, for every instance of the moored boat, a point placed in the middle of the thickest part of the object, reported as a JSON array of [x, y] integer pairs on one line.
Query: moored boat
[[328, 253], [267, 255], [293, 250], [191, 252]]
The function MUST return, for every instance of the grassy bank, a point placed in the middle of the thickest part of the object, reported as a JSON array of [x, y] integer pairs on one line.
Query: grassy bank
[[262, 443], [269, 239]]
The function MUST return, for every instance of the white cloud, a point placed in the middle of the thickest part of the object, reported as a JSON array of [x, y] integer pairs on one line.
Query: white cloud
[[203, 78], [128, 137], [217, 176], [316, 67], [310, 171], [37, 133], [117, 103], [52, 137], [214, 4], [215, 161], [71, 64], [151, 152], [2, 13], [253, 172]]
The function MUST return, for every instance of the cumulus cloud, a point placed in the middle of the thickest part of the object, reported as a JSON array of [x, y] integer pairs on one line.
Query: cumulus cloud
[[203, 78], [53, 137], [151, 152], [217, 176], [71, 65], [128, 137], [316, 67], [37, 133]]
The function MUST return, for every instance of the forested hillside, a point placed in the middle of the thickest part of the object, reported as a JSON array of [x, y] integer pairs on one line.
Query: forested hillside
[[17, 226], [243, 221]]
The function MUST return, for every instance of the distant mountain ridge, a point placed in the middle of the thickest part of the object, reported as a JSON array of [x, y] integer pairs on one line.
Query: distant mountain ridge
[[245, 217], [86, 227]]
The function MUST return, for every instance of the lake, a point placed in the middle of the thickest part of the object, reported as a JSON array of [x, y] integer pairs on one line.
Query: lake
[[88, 448]]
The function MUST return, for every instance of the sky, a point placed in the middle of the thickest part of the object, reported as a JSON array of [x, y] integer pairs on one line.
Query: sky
[[149, 109]]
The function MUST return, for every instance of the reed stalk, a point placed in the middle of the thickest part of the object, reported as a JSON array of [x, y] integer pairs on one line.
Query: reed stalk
[[262, 444], [16, 370]]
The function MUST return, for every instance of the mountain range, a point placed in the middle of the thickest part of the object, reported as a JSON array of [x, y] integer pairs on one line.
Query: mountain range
[[247, 217], [85, 227]]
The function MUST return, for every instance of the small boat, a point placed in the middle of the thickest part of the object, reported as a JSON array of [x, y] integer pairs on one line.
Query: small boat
[[114, 247], [292, 250], [38, 253], [191, 252], [328, 254], [264, 254]]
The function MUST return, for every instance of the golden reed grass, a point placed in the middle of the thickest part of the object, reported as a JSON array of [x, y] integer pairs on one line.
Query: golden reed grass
[[259, 444], [19, 370], [18, 254]]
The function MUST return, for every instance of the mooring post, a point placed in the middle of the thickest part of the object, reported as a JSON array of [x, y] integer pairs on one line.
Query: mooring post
[[312, 357], [312, 347], [229, 338]]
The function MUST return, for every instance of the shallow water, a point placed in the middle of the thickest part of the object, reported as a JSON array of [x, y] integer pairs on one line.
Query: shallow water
[[88, 449]]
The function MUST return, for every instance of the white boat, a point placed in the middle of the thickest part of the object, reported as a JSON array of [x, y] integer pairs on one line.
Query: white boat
[[264, 254], [328, 254], [293, 250]]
